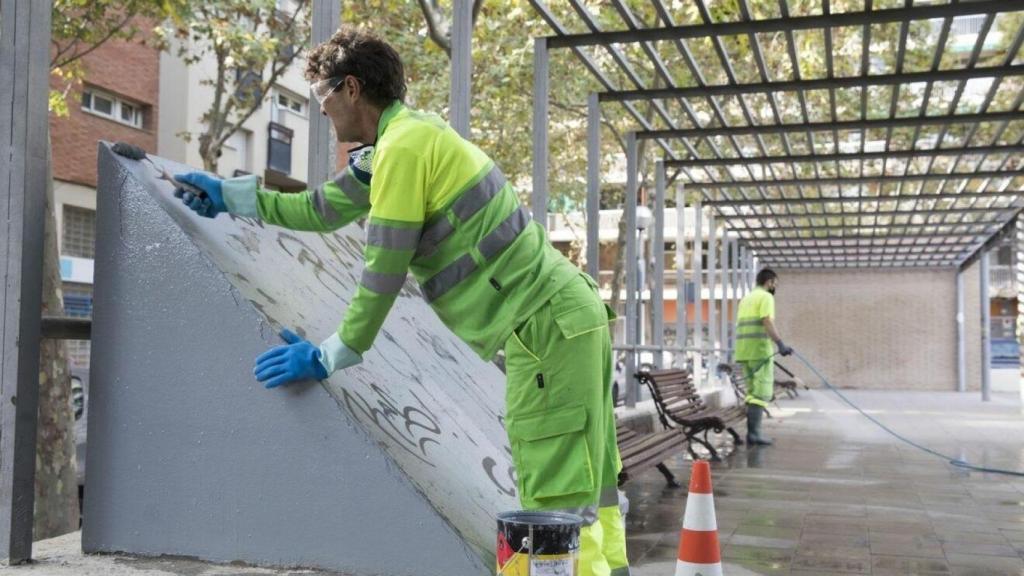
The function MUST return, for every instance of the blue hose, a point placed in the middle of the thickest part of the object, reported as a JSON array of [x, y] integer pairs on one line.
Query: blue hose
[[954, 461]]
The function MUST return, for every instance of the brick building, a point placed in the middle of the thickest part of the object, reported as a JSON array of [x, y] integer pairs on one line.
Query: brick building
[[118, 100]]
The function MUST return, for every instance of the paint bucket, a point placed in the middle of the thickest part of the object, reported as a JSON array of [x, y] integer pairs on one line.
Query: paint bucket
[[538, 543]]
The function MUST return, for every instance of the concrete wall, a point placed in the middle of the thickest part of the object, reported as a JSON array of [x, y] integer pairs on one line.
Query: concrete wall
[[395, 467], [891, 329]]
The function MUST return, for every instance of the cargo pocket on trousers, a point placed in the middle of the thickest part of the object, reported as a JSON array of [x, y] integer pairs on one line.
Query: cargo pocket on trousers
[[552, 455]]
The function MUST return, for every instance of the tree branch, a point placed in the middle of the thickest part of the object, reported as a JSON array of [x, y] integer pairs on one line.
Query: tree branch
[[432, 14], [110, 34]]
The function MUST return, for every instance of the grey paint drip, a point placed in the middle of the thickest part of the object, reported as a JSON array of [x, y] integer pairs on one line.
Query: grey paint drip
[[397, 466]]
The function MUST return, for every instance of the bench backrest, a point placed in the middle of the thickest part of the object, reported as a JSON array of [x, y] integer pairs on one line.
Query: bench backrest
[[674, 394]]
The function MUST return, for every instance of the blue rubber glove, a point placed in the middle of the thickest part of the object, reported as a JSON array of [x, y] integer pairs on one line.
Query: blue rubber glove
[[208, 207], [783, 349], [298, 360]]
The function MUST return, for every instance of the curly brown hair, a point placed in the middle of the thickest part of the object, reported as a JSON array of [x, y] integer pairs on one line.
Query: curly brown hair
[[364, 55]]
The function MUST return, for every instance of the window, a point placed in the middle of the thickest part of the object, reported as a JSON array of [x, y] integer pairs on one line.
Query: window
[[279, 153], [78, 304], [111, 107], [78, 237], [291, 103]]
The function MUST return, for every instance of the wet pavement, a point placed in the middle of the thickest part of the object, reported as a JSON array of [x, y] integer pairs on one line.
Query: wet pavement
[[836, 495]]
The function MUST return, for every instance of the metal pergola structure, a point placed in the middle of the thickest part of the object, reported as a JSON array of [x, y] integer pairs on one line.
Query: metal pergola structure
[[864, 133]]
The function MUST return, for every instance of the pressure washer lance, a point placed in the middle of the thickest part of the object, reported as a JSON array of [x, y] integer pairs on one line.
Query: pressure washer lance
[[137, 153]]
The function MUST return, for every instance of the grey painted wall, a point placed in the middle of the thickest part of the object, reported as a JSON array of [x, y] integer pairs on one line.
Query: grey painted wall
[[189, 455]]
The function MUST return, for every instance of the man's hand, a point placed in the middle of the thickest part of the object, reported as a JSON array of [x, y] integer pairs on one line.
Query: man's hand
[[783, 349], [298, 360], [208, 207]]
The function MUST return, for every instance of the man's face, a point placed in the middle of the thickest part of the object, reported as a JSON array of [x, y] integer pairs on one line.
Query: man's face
[[343, 107], [770, 285]]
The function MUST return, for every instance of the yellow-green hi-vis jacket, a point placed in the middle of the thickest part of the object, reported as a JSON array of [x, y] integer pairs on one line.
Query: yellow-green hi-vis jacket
[[437, 206]]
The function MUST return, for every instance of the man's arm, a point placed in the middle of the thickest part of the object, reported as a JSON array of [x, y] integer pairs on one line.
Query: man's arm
[[769, 327], [328, 207]]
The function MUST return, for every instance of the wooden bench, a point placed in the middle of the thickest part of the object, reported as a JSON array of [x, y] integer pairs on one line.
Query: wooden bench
[[641, 451], [680, 406]]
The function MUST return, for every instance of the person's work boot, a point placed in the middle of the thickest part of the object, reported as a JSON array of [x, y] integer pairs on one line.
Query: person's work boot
[[754, 437]]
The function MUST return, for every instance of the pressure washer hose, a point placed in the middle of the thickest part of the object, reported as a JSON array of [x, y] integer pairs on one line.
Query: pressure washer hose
[[959, 463]]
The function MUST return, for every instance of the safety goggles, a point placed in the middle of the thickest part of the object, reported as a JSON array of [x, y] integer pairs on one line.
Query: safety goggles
[[324, 88]]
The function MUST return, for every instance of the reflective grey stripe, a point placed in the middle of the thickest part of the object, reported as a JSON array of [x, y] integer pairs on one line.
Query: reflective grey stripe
[[752, 336], [433, 236], [588, 513], [609, 497], [446, 279], [750, 323], [391, 237], [492, 244], [480, 194], [504, 234], [471, 201], [352, 188], [620, 571], [323, 207], [382, 283]]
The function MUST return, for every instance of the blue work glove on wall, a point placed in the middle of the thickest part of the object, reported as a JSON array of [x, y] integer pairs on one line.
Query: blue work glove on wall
[[298, 360], [783, 349], [208, 207]]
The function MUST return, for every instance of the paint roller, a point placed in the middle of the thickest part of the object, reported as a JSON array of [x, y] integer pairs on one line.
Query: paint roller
[[137, 153]]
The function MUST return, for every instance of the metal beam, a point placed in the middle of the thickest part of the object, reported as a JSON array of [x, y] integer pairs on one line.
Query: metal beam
[[986, 326], [658, 253], [540, 131], [973, 196], [698, 290], [827, 83], [984, 174], [1006, 230], [881, 250], [680, 265], [24, 126], [961, 338], [593, 186], [863, 213], [761, 243], [843, 156], [322, 161], [859, 226], [712, 286], [784, 24], [910, 121], [459, 96], [66, 328], [632, 314]]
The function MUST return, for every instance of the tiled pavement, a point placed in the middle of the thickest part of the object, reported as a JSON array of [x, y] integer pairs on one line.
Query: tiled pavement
[[836, 495]]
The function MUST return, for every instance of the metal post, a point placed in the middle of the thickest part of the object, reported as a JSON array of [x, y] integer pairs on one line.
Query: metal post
[[593, 186], [681, 297], [723, 308], [658, 253], [540, 131], [986, 330], [632, 390], [322, 158], [743, 273], [733, 291], [462, 66], [698, 291], [712, 294], [24, 66], [961, 340]]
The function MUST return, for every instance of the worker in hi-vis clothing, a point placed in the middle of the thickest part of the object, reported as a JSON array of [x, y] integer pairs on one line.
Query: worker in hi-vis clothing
[[438, 206], [755, 332]]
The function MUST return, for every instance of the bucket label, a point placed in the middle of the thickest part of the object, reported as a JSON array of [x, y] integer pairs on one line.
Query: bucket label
[[562, 566]]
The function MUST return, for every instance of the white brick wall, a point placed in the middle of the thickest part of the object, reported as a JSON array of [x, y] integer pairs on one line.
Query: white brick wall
[[879, 328]]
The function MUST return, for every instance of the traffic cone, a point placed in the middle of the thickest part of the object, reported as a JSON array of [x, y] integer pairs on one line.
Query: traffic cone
[[699, 554]]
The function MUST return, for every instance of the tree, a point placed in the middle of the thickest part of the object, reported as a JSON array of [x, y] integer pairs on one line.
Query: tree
[[252, 44]]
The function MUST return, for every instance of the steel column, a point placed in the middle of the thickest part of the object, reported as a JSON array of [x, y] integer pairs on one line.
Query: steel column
[[540, 131], [658, 253], [24, 64], [986, 329], [322, 157], [961, 340], [712, 293], [698, 292], [723, 306], [593, 186], [632, 314], [681, 296], [460, 96]]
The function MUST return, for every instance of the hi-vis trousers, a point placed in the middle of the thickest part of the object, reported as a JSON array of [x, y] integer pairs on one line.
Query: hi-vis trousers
[[560, 422]]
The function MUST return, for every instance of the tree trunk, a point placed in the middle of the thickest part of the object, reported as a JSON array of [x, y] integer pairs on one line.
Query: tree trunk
[[56, 485]]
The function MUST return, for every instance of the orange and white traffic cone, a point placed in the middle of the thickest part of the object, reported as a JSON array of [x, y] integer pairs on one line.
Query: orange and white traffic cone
[[699, 554]]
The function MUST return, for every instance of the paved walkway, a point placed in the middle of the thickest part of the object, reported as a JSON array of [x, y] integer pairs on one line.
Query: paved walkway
[[836, 495]]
